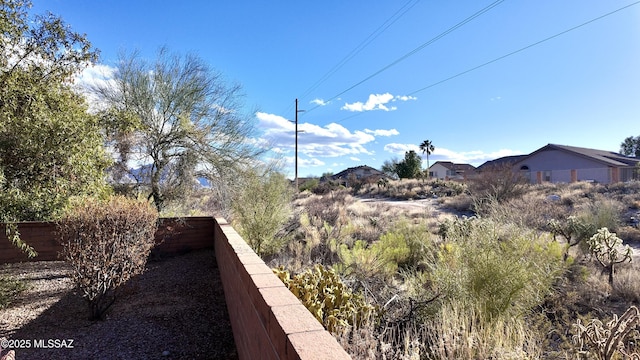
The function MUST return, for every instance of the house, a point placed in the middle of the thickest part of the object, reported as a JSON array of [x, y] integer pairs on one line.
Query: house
[[362, 172], [561, 163], [448, 170], [499, 163]]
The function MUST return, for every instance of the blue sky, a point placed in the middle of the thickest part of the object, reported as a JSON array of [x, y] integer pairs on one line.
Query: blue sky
[[367, 104]]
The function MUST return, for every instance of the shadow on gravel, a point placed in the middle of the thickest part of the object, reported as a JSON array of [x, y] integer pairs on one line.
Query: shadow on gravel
[[154, 318]]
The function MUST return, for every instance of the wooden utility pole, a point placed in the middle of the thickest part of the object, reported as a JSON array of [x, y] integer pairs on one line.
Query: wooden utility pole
[[297, 145], [297, 131]]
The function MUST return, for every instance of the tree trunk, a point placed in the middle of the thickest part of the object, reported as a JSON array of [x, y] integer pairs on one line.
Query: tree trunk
[[611, 270]]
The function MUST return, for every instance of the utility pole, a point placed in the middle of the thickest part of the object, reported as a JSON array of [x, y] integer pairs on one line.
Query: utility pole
[[297, 145], [297, 131]]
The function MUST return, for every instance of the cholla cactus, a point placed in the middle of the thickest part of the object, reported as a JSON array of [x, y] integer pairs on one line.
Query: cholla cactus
[[606, 339], [608, 250]]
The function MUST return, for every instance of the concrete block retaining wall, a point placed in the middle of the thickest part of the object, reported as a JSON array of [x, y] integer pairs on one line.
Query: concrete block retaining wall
[[268, 321]]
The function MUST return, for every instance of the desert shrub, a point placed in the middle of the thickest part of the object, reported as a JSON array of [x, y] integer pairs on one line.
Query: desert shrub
[[498, 184], [626, 285], [501, 270], [404, 246], [106, 243], [9, 289], [309, 185], [602, 212], [447, 187], [530, 210], [261, 209], [361, 261], [462, 202], [332, 303], [326, 187]]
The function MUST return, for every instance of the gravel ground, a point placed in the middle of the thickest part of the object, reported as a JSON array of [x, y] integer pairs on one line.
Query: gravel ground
[[175, 310]]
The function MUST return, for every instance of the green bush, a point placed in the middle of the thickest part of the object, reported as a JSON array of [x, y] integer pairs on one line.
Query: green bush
[[361, 261], [501, 270], [309, 185], [9, 289], [332, 303], [106, 243], [261, 209], [404, 246]]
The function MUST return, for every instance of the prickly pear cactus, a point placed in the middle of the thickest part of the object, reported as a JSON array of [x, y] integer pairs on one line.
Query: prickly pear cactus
[[328, 298]]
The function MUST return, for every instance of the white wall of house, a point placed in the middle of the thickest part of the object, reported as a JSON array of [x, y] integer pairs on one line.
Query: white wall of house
[[439, 171]]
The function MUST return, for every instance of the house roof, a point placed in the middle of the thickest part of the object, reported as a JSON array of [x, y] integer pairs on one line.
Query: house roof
[[505, 160], [456, 167], [605, 157], [346, 172]]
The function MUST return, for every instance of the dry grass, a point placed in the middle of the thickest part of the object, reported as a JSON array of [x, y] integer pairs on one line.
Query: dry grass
[[458, 334]]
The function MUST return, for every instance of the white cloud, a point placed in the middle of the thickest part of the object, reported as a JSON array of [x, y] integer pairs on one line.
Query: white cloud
[[331, 140], [476, 157], [96, 76], [354, 158], [319, 102], [302, 162], [405, 98], [377, 102], [400, 149], [390, 132]]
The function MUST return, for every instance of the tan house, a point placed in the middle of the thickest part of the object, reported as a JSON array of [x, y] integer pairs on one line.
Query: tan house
[[446, 170], [561, 163]]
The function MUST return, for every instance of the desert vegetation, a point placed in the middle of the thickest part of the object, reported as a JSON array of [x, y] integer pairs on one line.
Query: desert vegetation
[[106, 243], [488, 268]]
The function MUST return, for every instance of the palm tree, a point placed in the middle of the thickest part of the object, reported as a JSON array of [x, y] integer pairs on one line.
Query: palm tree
[[427, 148]]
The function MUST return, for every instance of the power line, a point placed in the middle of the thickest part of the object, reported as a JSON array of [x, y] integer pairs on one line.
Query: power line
[[523, 48], [363, 44], [414, 51], [510, 54], [381, 29]]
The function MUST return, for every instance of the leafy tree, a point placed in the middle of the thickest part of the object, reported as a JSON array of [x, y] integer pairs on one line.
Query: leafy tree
[[427, 148], [389, 167], [326, 175], [50, 148], [181, 119], [631, 146], [409, 168]]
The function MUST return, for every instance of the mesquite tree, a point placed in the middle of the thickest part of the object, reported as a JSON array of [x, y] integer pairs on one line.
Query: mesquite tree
[[179, 120]]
